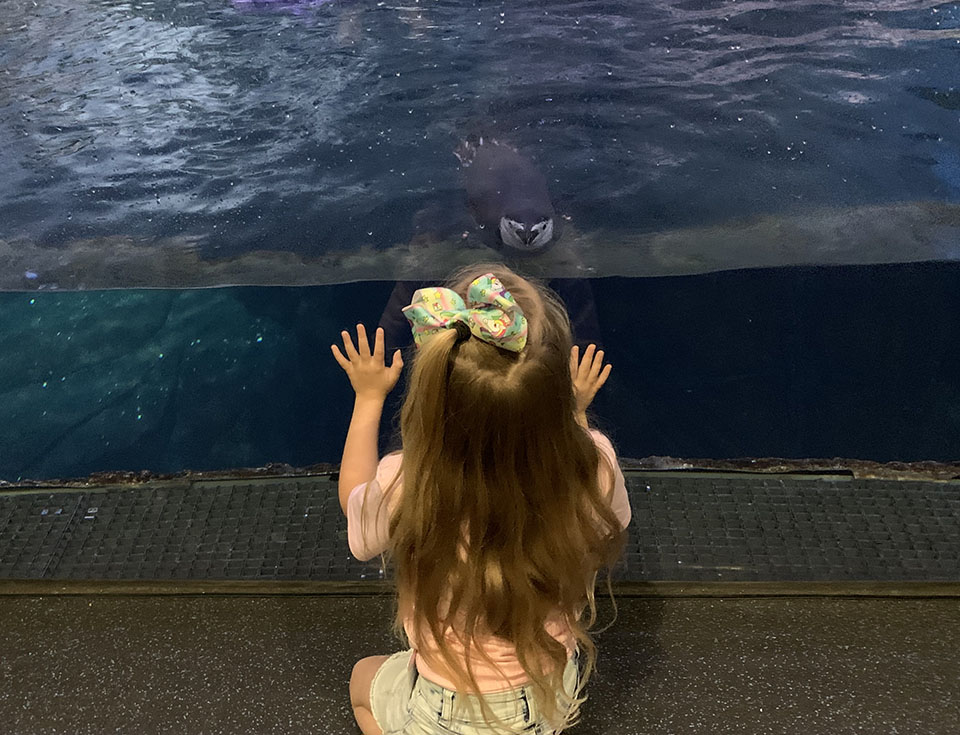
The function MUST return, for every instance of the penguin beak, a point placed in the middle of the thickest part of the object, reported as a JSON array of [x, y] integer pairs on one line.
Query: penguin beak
[[528, 236]]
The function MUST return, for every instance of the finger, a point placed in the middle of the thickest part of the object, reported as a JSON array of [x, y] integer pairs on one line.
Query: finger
[[378, 346], [602, 378], [574, 361], [397, 364], [597, 364], [338, 356], [348, 347], [587, 361], [363, 344]]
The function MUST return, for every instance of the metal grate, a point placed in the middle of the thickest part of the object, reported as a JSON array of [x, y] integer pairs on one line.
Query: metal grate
[[746, 528], [687, 527]]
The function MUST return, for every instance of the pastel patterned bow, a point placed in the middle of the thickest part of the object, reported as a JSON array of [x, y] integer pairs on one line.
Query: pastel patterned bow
[[491, 313]]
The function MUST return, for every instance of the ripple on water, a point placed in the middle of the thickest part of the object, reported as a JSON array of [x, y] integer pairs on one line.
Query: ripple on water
[[306, 126]]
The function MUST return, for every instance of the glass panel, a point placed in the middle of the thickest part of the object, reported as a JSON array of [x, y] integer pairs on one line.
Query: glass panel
[[857, 362], [684, 157]]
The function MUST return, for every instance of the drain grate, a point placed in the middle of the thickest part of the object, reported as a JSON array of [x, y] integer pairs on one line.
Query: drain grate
[[686, 527], [290, 529], [750, 528]]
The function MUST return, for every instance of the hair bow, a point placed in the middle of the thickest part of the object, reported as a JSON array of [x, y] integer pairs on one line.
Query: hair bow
[[490, 312]]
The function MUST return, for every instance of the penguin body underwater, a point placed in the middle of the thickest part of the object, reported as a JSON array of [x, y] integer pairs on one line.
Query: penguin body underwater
[[508, 195]]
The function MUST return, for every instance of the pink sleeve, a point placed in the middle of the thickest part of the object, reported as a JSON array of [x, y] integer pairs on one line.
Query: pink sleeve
[[368, 524], [620, 501]]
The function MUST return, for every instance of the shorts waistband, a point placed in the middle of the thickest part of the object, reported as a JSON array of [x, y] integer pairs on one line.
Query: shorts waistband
[[504, 696], [445, 706], [518, 701]]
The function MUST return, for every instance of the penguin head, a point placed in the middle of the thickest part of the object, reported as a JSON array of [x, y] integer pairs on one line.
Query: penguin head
[[528, 234]]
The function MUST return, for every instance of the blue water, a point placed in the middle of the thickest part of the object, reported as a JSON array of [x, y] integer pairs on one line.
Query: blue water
[[856, 362], [314, 126]]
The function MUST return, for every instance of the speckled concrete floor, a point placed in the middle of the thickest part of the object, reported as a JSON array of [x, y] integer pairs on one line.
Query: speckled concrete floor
[[261, 664]]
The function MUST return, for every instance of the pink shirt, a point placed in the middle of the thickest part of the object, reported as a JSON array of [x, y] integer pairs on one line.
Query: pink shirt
[[368, 536]]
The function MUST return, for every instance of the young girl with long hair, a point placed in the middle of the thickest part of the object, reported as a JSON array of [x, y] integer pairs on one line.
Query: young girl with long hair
[[497, 514]]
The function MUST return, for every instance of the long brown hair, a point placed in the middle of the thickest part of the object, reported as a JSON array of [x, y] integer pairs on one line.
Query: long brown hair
[[502, 523]]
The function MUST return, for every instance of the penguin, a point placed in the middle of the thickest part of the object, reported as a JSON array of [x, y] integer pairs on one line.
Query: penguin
[[508, 196]]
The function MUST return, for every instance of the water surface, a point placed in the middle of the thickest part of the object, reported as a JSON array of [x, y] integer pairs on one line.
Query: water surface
[[319, 128]]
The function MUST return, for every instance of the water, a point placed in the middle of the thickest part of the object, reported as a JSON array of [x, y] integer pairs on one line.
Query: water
[[703, 145], [211, 129], [854, 361]]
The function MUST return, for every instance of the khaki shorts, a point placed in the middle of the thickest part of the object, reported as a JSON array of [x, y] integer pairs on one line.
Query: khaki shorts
[[404, 703]]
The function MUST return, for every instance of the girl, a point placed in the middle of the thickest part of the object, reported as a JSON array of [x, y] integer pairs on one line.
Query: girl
[[497, 514]]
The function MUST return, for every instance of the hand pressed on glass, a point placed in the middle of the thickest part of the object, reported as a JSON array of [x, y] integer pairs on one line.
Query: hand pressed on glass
[[589, 375], [368, 374]]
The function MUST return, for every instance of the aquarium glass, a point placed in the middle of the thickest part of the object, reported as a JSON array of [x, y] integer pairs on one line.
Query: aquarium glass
[[753, 206]]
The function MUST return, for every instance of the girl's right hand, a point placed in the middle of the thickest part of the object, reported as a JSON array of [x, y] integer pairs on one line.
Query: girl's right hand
[[589, 375], [368, 374]]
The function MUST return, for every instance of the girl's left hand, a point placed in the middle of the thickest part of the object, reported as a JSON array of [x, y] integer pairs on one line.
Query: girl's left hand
[[368, 374]]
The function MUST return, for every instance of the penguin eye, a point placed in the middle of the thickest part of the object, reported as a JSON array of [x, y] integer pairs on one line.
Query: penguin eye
[[539, 226], [515, 225]]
